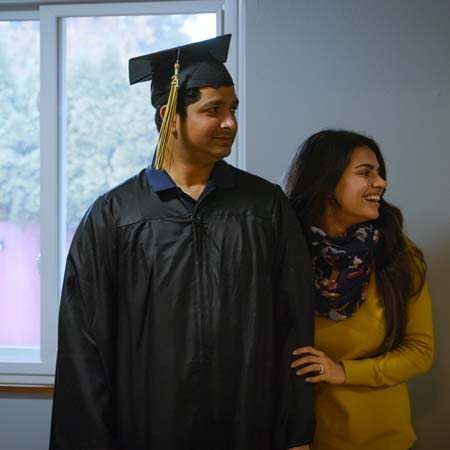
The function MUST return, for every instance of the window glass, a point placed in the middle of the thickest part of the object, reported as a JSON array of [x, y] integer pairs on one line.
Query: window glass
[[111, 133], [19, 185]]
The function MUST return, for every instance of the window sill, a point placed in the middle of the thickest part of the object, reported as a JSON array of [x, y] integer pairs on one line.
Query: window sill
[[40, 389]]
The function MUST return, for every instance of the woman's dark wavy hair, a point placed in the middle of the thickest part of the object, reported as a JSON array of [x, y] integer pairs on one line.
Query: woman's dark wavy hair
[[399, 267]]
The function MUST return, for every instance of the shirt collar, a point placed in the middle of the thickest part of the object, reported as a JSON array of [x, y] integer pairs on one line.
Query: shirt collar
[[222, 176]]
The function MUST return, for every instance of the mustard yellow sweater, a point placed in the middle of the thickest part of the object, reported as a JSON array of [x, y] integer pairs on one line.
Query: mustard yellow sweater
[[371, 411]]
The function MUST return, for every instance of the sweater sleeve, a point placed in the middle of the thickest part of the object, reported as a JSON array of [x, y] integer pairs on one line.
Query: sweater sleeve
[[413, 357]]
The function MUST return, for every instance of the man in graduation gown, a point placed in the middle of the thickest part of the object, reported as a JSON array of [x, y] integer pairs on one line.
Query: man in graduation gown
[[186, 288]]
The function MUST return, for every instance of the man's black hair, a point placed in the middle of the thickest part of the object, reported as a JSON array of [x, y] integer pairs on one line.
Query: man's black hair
[[186, 97]]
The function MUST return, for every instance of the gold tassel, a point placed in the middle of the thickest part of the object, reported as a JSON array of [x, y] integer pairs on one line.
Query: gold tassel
[[165, 142]]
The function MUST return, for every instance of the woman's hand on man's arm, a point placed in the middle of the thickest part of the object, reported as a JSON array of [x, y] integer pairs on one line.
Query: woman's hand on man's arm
[[318, 366]]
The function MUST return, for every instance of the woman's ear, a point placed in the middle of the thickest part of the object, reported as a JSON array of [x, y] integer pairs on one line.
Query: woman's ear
[[332, 200]]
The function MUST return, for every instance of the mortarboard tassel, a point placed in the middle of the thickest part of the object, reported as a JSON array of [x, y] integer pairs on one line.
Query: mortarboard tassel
[[165, 142]]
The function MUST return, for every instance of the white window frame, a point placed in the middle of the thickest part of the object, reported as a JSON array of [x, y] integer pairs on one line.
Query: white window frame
[[52, 145]]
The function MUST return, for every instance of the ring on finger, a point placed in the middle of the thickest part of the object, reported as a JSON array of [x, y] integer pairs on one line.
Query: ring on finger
[[321, 370]]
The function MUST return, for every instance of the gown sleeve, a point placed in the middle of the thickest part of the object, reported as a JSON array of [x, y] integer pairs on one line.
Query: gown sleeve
[[83, 411], [413, 357], [295, 297]]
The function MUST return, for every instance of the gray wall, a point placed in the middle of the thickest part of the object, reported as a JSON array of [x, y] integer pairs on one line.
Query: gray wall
[[382, 68], [24, 421]]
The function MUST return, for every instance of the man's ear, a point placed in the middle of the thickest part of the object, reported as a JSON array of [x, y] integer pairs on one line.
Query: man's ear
[[162, 111]]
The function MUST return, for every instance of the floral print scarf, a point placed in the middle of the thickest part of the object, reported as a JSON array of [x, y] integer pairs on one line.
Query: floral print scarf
[[342, 267]]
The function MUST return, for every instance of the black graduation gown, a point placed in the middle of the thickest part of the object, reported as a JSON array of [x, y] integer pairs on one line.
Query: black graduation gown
[[174, 324]]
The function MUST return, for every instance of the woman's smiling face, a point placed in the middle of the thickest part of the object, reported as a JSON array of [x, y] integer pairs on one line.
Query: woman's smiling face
[[359, 189]]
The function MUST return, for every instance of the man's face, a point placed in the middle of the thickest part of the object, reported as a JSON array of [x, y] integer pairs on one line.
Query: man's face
[[207, 132]]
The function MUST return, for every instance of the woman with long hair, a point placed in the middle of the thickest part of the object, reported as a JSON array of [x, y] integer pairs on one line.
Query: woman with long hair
[[373, 323]]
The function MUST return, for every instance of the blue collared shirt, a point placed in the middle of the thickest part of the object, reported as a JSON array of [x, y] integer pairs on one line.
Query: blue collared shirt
[[222, 176]]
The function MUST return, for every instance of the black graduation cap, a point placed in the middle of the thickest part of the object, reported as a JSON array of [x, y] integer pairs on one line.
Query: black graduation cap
[[200, 65]]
